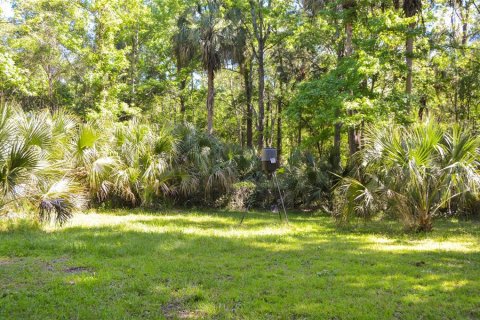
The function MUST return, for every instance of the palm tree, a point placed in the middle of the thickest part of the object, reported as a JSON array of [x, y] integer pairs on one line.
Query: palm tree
[[185, 50], [213, 30]]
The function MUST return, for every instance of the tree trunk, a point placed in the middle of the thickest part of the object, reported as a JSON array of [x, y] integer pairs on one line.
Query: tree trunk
[[352, 138], [267, 128], [337, 138], [424, 222], [261, 32], [182, 86], [133, 67], [409, 63], [299, 133], [50, 89], [396, 4], [210, 100], [423, 108], [348, 39], [279, 125], [465, 16], [360, 135], [410, 9], [336, 144], [247, 78], [261, 94], [272, 124], [455, 99]]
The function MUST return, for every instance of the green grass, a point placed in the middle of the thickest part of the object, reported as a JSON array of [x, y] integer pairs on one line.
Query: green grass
[[121, 265]]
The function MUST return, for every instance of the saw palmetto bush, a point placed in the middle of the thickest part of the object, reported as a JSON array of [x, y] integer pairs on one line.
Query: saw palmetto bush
[[35, 167], [307, 181], [205, 168], [124, 164], [137, 163], [411, 172]]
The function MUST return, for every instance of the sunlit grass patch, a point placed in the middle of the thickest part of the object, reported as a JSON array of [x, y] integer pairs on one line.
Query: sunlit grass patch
[[173, 264], [465, 244]]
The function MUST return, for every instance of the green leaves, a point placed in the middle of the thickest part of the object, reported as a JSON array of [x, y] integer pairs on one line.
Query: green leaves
[[34, 166], [417, 169], [19, 164], [87, 138]]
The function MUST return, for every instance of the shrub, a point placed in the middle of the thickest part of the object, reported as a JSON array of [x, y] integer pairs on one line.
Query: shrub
[[413, 172], [241, 195], [36, 167]]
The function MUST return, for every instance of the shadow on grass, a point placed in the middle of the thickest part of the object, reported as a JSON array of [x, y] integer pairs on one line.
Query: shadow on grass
[[177, 270]]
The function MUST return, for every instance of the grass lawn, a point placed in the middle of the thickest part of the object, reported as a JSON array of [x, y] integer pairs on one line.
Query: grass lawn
[[187, 265]]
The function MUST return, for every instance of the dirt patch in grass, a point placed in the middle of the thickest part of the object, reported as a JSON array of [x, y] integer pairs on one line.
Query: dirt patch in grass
[[56, 264], [60, 260], [176, 310], [77, 269], [8, 261]]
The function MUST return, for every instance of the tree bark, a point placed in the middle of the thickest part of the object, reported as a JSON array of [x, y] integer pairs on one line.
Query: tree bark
[[396, 4], [409, 62], [182, 86], [261, 94], [279, 125], [247, 78], [269, 121], [348, 39], [465, 16], [423, 108], [133, 66], [210, 100], [261, 32], [272, 122], [337, 128], [299, 132], [351, 132], [336, 143], [410, 9]]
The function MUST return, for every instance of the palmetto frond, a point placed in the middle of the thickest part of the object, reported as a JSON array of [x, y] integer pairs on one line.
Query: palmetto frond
[[185, 40], [60, 199], [36, 129], [58, 210], [20, 163], [85, 140], [419, 168]]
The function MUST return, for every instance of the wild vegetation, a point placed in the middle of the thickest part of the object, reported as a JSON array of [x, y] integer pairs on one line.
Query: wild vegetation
[[131, 184], [373, 106], [414, 172]]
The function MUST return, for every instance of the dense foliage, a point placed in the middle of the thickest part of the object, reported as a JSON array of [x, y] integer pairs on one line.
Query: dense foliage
[[168, 102], [412, 172]]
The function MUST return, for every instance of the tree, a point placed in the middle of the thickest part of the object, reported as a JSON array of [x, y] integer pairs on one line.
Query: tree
[[214, 37], [238, 52], [261, 32], [410, 8], [185, 49]]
